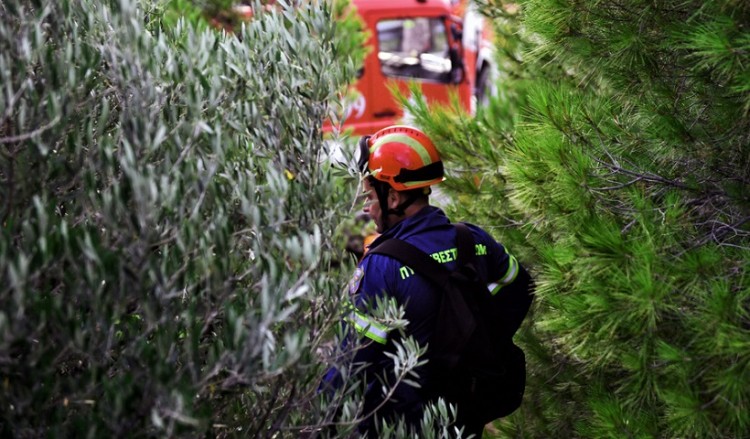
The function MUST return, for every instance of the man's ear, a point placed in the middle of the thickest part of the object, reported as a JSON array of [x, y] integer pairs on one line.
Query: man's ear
[[394, 198]]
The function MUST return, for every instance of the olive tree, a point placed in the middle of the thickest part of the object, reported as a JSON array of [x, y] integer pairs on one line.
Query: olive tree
[[167, 264]]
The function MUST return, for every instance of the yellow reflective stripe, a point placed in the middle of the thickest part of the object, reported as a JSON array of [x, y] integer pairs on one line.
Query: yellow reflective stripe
[[494, 288], [369, 328], [414, 183], [406, 140], [509, 277]]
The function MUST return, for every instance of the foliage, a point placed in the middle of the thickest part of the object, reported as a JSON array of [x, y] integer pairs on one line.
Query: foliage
[[167, 265], [615, 161]]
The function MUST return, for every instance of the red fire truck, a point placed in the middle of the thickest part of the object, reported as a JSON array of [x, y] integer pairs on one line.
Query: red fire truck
[[442, 45]]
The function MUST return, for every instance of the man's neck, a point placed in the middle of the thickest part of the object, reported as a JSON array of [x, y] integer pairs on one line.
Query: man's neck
[[409, 212], [415, 207]]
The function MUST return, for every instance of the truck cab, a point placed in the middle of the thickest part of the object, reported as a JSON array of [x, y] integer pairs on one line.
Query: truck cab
[[418, 41]]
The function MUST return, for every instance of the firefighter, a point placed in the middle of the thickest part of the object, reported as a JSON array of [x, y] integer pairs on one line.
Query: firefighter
[[400, 164]]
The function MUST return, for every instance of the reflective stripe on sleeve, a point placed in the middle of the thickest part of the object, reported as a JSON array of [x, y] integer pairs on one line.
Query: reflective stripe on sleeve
[[369, 328], [494, 287], [509, 277]]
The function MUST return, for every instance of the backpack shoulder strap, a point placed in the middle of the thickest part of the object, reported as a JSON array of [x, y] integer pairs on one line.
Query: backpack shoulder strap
[[415, 258], [457, 313], [422, 263], [465, 244]]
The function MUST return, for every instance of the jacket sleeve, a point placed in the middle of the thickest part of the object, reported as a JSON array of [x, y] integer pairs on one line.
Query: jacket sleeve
[[506, 269], [374, 333], [511, 288], [366, 336]]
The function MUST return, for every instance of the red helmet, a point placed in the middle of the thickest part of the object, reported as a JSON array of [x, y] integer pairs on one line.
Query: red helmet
[[402, 156]]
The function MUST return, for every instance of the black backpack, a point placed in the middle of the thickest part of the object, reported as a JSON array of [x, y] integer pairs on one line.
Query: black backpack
[[474, 361]]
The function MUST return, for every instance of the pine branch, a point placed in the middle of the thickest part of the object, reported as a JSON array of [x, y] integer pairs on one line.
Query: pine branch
[[719, 230]]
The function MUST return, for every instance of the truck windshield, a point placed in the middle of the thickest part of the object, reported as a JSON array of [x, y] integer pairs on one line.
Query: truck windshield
[[414, 48]]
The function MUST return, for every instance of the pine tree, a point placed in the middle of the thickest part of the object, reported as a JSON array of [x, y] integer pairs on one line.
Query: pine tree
[[616, 161]]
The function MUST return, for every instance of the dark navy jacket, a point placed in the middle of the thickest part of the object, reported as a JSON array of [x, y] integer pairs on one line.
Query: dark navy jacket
[[431, 231]]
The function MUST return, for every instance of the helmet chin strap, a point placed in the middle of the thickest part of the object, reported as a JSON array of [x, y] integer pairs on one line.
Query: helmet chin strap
[[381, 190], [400, 210]]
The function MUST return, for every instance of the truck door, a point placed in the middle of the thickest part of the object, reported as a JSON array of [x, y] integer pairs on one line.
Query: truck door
[[419, 49], [419, 44]]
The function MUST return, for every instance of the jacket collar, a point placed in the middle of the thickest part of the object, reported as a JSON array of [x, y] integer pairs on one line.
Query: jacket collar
[[428, 217]]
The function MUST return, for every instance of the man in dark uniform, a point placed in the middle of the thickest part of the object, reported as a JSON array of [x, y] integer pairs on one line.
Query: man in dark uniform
[[401, 164]]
